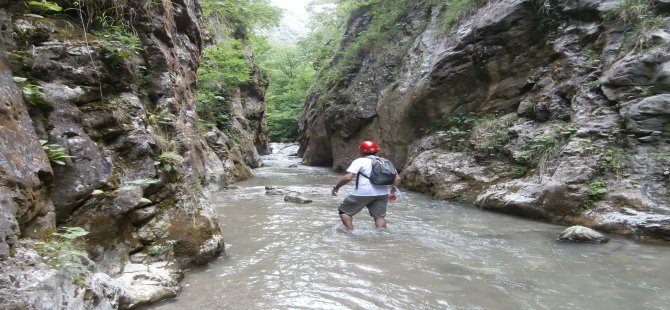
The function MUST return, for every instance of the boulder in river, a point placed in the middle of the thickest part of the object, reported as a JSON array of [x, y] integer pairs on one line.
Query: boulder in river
[[579, 233], [296, 199], [143, 284]]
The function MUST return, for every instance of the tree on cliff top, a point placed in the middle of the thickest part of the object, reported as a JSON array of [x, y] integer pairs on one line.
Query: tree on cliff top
[[225, 64]]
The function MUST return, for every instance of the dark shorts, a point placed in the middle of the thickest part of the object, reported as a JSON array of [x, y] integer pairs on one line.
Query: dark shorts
[[354, 204]]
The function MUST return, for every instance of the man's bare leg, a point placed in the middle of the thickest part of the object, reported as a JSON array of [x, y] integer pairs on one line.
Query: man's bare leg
[[380, 223], [347, 220]]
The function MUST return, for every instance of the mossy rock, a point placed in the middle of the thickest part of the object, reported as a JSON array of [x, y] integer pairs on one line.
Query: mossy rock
[[190, 233]]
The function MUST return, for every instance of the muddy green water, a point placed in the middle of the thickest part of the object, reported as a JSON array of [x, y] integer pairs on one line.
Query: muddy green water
[[434, 255]]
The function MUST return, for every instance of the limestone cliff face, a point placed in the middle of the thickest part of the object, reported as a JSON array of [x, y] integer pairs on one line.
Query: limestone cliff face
[[538, 108], [120, 100]]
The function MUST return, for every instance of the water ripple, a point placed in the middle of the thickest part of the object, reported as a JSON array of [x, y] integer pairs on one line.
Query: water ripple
[[434, 255]]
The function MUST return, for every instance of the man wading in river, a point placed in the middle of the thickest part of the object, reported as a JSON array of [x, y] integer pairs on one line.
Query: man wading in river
[[368, 194]]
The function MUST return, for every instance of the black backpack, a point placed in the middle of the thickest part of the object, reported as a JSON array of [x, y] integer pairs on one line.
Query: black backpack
[[383, 171]]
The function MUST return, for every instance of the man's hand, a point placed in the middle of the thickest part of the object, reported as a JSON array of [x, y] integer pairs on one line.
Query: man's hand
[[393, 197], [343, 180]]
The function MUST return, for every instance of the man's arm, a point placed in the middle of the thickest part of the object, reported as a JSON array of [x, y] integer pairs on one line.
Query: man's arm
[[344, 180], [393, 195], [396, 181]]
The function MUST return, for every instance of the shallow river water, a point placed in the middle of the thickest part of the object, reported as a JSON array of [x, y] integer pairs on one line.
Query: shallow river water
[[434, 255]]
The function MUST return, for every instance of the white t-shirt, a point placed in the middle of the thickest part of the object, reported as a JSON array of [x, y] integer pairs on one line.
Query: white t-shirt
[[365, 188]]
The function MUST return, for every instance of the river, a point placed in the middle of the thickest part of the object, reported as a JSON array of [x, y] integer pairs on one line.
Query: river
[[434, 255]]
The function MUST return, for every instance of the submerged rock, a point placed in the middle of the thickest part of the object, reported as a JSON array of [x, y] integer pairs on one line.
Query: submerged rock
[[579, 233], [274, 192], [296, 199]]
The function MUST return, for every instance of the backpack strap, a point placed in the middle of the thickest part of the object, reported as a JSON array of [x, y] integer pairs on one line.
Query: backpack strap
[[357, 175], [372, 157]]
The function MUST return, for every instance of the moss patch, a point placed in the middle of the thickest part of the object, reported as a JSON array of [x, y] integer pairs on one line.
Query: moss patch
[[189, 234]]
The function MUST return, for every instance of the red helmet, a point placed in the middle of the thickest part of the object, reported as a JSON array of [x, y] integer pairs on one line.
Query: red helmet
[[368, 147]]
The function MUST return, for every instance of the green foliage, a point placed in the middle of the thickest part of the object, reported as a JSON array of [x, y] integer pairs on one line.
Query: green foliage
[[456, 138], [645, 91], [595, 190], [520, 171], [339, 54], [290, 74], [327, 30], [546, 146], [639, 18], [527, 105], [613, 161], [161, 118], [55, 152], [224, 66], [549, 13], [457, 130], [214, 108], [19, 55], [43, 6], [64, 253], [489, 132], [167, 160], [242, 15], [592, 60], [33, 93], [454, 10], [120, 43], [23, 34], [629, 11], [492, 132]]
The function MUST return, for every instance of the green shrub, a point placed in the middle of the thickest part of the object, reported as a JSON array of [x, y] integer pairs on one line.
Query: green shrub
[[527, 105], [214, 108], [592, 60], [520, 171], [595, 190], [224, 66], [55, 152], [541, 149], [63, 251], [33, 93], [23, 34], [549, 12], [119, 44], [639, 18], [453, 11], [163, 117], [167, 160], [493, 132], [290, 72], [613, 161], [336, 62], [242, 15], [43, 6], [629, 11], [490, 129]]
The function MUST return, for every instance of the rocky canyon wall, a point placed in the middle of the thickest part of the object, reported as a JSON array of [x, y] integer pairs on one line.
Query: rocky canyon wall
[[100, 131], [555, 110]]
